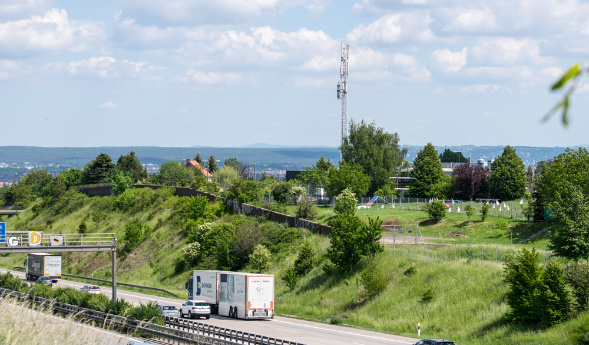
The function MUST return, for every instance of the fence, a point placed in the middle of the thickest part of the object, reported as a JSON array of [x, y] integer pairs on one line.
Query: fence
[[506, 209]]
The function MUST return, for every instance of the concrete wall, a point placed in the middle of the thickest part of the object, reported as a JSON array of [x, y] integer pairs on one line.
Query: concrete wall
[[236, 207]]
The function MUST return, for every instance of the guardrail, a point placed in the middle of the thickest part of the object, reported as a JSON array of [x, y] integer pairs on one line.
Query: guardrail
[[168, 334], [180, 331], [224, 333], [140, 287]]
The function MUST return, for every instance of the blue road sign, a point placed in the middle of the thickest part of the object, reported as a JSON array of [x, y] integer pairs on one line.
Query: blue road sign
[[2, 232]]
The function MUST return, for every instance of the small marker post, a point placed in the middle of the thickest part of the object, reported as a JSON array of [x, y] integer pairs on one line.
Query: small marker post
[[419, 329]]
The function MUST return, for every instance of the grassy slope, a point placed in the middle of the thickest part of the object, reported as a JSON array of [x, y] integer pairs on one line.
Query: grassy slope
[[468, 303]]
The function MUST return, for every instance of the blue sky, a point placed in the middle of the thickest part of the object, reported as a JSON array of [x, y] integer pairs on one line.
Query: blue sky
[[236, 72]]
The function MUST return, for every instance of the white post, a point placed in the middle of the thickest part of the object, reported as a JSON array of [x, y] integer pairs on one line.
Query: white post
[[419, 329]]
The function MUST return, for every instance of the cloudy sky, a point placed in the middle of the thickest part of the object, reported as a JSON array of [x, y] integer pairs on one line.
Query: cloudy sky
[[237, 72]]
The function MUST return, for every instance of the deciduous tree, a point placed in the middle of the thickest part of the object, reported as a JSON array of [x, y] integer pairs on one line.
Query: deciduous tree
[[470, 180], [174, 174], [377, 151], [348, 175]]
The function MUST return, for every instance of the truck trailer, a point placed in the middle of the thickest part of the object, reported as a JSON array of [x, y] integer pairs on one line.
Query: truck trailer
[[234, 294], [43, 265]]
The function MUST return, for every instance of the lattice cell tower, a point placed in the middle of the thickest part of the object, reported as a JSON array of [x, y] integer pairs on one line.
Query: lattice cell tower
[[342, 91]]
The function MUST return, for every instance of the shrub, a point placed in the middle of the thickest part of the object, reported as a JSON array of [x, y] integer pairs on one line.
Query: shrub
[[469, 211], [306, 259], [83, 228], [502, 224], [133, 235], [345, 203], [147, 312], [485, 211], [306, 209], [578, 279], [191, 253], [260, 258], [179, 264], [291, 278], [336, 320], [411, 270], [536, 295], [436, 210], [375, 278], [427, 296]]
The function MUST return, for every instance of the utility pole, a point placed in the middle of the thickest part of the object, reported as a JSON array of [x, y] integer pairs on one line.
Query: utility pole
[[342, 92]]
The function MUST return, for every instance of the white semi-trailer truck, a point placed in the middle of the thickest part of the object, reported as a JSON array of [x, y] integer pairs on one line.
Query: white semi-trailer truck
[[43, 265], [234, 294]]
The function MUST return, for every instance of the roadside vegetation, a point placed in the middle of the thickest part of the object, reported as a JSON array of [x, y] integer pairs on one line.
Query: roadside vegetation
[[530, 282]]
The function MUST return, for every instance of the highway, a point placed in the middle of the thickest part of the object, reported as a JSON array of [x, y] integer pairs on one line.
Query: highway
[[307, 332]]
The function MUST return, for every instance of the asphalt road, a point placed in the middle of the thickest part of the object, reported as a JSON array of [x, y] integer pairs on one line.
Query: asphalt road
[[307, 332]]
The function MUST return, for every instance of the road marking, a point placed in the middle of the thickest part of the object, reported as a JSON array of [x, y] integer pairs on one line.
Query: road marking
[[343, 332], [289, 331]]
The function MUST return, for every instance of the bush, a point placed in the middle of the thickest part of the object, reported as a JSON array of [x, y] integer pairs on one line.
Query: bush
[[306, 209], [291, 278], [336, 320], [191, 253], [427, 296], [133, 235], [306, 259], [536, 294], [485, 211], [436, 210], [375, 278], [179, 264], [411, 270], [260, 258], [83, 228], [578, 279]]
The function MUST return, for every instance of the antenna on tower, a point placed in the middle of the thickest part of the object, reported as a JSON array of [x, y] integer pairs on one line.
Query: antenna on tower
[[342, 91]]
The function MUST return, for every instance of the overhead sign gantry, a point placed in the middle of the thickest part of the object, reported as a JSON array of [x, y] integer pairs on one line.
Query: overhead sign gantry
[[38, 242]]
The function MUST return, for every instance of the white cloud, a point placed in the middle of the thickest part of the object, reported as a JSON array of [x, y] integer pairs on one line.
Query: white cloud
[[18, 9], [393, 28], [506, 51], [481, 88], [447, 61], [11, 69], [211, 78], [218, 12], [52, 32], [313, 82], [473, 20], [108, 105]]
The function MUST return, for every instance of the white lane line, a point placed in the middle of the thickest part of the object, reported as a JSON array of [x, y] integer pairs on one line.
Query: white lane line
[[342, 332], [287, 330]]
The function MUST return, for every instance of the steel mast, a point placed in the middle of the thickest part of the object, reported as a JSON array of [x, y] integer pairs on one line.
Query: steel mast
[[342, 91]]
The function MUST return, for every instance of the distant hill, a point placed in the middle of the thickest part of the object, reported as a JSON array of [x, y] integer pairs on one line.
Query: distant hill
[[271, 157]]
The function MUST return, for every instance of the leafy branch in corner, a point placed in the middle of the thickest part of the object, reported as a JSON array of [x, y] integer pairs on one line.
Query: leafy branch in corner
[[570, 78]]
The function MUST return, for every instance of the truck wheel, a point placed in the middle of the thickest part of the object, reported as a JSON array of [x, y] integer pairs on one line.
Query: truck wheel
[[235, 312], [231, 312]]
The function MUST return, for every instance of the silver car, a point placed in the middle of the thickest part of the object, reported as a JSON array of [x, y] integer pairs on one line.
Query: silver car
[[169, 310], [195, 308]]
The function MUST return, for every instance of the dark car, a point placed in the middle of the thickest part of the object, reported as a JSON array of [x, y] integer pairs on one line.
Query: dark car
[[435, 342]]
